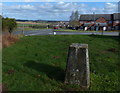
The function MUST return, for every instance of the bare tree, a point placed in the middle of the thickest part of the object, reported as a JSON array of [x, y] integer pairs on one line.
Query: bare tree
[[74, 18]]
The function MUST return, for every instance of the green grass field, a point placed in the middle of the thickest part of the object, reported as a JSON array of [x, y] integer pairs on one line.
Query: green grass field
[[37, 63], [28, 26], [28, 29]]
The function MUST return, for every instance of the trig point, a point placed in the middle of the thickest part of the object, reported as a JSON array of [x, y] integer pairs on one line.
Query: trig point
[[77, 69]]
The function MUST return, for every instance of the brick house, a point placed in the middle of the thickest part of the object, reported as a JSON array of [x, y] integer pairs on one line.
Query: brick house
[[98, 21]]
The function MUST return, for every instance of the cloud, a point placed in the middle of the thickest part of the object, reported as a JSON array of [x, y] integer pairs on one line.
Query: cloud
[[20, 7], [110, 7], [28, 7], [77, 0], [0, 8], [54, 11], [29, 0], [47, 0], [60, 0]]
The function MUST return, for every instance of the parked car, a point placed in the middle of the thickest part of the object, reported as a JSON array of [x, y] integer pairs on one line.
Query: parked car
[[55, 27]]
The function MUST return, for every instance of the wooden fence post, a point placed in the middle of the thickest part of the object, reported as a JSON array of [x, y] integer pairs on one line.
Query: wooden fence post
[[77, 68]]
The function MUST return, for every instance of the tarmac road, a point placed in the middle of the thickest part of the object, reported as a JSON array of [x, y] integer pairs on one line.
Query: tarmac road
[[36, 32], [52, 32], [88, 33]]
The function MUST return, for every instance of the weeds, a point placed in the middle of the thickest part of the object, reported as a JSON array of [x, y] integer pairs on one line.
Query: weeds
[[9, 39]]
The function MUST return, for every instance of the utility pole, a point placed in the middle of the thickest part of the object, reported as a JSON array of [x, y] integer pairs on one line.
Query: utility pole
[[94, 20], [2, 13], [118, 15], [23, 30]]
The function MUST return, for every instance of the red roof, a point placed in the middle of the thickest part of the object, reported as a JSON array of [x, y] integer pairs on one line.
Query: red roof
[[81, 24], [115, 24], [91, 24], [101, 20]]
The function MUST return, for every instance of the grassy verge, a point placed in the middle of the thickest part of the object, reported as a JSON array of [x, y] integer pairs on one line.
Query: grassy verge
[[37, 63], [9, 39], [69, 30]]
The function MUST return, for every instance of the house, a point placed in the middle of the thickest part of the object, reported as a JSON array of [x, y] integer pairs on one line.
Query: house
[[116, 21], [98, 21]]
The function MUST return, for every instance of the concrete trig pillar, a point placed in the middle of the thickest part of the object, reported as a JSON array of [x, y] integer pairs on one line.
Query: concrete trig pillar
[[77, 69]]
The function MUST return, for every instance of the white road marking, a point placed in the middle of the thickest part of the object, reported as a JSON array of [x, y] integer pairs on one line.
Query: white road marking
[[54, 33], [50, 33]]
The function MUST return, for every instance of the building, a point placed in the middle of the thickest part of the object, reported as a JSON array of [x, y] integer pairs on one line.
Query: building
[[99, 21]]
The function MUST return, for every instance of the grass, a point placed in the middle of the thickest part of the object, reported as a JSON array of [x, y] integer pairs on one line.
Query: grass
[[32, 23], [0, 41], [28, 29], [69, 30], [28, 24], [37, 63]]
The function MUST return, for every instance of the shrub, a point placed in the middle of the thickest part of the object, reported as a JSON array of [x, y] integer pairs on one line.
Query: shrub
[[8, 24]]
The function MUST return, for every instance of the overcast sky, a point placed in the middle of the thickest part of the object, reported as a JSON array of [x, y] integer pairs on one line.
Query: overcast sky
[[48, 10]]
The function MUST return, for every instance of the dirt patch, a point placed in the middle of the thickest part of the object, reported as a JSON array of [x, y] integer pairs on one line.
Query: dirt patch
[[10, 71], [3, 88], [113, 50], [56, 57]]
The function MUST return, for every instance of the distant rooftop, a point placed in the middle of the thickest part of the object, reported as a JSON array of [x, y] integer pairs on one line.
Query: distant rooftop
[[92, 17]]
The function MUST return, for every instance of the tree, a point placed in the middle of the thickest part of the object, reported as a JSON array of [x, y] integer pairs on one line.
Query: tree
[[74, 18], [76, 14], [11, 25], [0, 24], [8, 24]]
